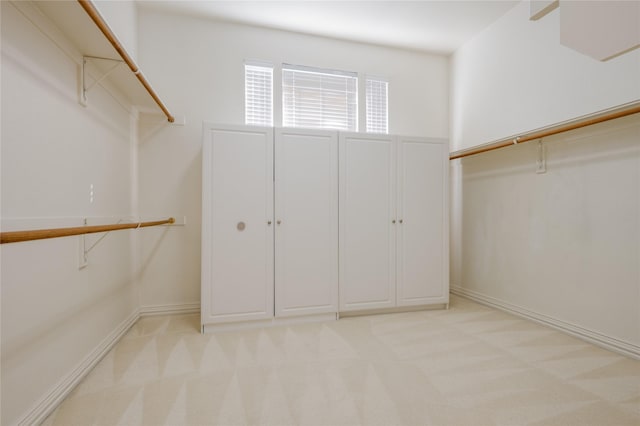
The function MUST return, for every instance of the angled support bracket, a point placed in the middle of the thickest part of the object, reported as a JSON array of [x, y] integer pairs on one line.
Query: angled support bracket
[[83, 260], [84, 86]]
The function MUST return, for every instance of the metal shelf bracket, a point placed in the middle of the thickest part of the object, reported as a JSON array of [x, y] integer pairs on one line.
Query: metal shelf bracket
[[84, 86], [84, 251]]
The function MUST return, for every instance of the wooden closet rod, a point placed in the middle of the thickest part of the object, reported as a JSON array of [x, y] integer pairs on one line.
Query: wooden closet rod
[[527, 137], [95, 16], [41, 234]]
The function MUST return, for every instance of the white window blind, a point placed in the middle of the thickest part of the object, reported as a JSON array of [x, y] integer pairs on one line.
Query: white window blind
[[258, 95], [321, 99], [377, 106]]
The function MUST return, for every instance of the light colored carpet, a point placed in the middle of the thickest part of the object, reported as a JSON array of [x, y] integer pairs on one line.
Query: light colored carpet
[[470, 365]]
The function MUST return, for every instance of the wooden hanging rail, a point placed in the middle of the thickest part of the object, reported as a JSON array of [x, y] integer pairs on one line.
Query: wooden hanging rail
[[41, 234], [527, 137], [95, 16]]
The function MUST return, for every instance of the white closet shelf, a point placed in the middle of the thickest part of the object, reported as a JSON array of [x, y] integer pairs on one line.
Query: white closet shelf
[[93, 38]]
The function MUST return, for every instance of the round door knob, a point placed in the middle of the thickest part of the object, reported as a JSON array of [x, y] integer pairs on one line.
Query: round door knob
[[278, 222], [393, 221], [268, 222], [400, 220], [241, 226]]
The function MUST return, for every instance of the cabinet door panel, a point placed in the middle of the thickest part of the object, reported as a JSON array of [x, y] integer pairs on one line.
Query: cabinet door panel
[[306, 194], [422, 263], [237, 246], [367, 234]]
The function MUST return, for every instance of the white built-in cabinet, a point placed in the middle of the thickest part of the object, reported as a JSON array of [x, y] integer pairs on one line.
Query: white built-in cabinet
[[270, 223], [237, 224], [286, 232], [367, 210], [306, 213], [393, 221], [422, 209]]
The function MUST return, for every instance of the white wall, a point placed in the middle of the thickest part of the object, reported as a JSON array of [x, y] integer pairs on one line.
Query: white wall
[[122, 18], [53, 315], [198, 67], [563, 246], [515, 76]]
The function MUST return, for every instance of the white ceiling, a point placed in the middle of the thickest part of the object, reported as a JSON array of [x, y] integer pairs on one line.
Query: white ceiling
[[431, 26]]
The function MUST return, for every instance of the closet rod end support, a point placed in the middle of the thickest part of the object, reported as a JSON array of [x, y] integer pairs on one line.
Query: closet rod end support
[[177, 120]]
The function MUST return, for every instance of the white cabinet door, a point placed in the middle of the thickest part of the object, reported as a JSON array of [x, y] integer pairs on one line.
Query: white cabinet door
[[237, 243], [367, 210], [306, 232], [422, 260]]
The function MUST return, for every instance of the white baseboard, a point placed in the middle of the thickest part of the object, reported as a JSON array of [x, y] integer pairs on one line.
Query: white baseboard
[[269, 322], [591, 336], [43, 408], [174, 309], [396, 310]]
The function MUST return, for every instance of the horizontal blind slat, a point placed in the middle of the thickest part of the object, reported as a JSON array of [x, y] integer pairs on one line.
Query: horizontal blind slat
[[258, 95], [319, 99], [377, 106]]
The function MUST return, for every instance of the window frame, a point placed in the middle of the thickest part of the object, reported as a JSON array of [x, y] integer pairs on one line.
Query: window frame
[[368, 107], [360, 94], [249, 63]]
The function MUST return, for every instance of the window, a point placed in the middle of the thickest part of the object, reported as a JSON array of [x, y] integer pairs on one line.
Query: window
[[317, 98], [258, 94], [377, 106]]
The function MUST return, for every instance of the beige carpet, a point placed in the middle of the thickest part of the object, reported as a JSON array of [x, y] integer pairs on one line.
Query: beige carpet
[[470, 365]]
